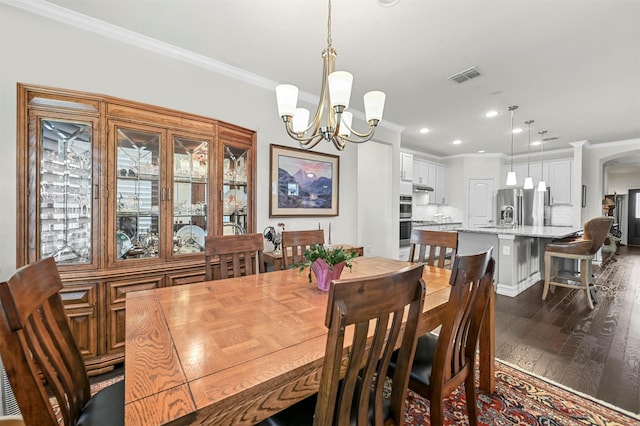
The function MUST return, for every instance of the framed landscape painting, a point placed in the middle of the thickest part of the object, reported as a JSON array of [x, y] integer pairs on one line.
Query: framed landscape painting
[[303, 183]]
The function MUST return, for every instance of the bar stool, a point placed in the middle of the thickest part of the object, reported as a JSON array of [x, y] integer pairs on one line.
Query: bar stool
[[582, 249]]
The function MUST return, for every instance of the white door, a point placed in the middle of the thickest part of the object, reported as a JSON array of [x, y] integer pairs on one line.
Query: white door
[[481, 202]]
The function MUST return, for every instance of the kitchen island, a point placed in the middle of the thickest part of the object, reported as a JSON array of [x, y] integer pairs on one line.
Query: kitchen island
[[519, 252]]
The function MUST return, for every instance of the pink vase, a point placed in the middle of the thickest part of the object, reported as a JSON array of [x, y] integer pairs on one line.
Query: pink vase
[[323, 273]]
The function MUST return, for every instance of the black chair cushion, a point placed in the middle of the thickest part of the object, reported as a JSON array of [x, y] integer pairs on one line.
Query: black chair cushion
[[301, 414], [106, 408], [422, 361]]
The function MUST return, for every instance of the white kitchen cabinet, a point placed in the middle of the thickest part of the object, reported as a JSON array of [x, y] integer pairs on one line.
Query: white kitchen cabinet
[[420, 172], [406, 167], [424, 172], [559, 180], [440, 194]]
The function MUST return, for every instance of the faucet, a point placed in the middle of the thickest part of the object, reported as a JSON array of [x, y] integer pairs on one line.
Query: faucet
[[507, 215]]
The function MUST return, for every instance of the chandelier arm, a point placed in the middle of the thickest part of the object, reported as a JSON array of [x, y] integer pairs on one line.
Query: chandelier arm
[[368, 134], [295, 135], [338, 143], [311, 143]]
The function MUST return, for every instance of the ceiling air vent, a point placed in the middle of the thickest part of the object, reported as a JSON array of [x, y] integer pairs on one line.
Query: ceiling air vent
[[465, 75], [550, 138]]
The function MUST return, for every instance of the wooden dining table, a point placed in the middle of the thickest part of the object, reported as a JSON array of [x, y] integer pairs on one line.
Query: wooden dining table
[[235, 351]]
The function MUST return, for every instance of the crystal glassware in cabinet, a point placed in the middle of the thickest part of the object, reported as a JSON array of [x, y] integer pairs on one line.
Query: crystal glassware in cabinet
[[138, 187], [66, 191], [190, 196], [235, 190]]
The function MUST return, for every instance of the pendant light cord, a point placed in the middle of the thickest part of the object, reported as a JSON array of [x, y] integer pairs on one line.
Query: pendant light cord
[[512, 108], [528, 123]]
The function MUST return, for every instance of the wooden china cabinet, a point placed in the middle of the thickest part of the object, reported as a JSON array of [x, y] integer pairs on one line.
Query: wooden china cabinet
[[122, 195]]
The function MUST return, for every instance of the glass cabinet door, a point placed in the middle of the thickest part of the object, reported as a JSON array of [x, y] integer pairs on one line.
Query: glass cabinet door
[[138, 193], [66, 189], [190, 198], [235, 190]]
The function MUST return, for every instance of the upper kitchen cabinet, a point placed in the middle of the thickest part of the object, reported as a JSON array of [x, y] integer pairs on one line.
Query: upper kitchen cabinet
[[424, 173], [406, 167], [122, 195], [559, 180], [440, 195]]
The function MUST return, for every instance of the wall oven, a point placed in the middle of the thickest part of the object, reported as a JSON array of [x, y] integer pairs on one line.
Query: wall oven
[[406, 202], [405, 232], [405, 206]]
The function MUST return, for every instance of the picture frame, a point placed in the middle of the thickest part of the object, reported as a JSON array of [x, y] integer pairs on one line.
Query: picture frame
[[302, 183]]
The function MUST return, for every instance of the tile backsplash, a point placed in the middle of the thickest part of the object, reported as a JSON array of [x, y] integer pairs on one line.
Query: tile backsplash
[[561, 215]]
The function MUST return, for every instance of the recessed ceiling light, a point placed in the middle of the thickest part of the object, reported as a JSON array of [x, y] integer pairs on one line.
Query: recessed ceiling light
[[457, 142], [490, 114], [481, 151], [535, 143], [388, 3], [518, 130], [425, 130]]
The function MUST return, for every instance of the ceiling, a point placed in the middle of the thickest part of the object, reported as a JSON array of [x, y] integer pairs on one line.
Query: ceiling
[[572, 66]]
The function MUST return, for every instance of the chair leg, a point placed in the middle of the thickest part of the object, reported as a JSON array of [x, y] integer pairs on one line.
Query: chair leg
[[585, 278], [436, 409], [470, 393], [547, 274]]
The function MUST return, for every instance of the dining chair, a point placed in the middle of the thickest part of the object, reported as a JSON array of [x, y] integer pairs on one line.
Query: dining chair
[[582, 249], [41, 357], [298, 242], [443, 362], [354, 307], [239, 250], [440, 246]]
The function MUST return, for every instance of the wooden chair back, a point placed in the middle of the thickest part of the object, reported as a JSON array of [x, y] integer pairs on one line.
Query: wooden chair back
[[378, 302], [435, 248], [236, 253], [297, 242], [454, 359], [36, 345]]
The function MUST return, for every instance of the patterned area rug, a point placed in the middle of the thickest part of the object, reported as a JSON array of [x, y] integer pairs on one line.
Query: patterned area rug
[[523, 399], [520, 399]]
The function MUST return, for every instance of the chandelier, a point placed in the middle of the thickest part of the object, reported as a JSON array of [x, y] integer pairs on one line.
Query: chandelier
[[511, 176], [331, 122]]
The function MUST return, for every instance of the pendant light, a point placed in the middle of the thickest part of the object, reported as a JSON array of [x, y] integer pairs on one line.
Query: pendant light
[[528, 181], [511, 176], [542, 185]]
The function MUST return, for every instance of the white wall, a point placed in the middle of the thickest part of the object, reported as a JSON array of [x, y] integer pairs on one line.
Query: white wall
[[40, 51], [593, 173], [621, 182], [378, 215]]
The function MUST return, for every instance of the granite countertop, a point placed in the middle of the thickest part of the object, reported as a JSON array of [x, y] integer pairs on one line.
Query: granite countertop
[[420, 222], [525, 231]]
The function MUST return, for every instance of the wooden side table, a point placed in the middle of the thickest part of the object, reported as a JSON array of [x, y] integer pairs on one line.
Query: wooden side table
[[275, 260]]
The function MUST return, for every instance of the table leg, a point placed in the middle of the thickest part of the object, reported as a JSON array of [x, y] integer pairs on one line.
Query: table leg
[[488, 348]]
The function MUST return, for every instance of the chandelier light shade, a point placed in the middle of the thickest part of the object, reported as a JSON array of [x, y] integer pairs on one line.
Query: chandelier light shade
[[528, 181], [331, 122], [511, 176], [542, 185]]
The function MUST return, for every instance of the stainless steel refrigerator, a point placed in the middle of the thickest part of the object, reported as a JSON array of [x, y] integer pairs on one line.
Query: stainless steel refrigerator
[[518, 206]]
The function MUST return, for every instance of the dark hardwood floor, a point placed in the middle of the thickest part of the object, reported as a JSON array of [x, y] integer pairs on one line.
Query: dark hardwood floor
[[597, 351]]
